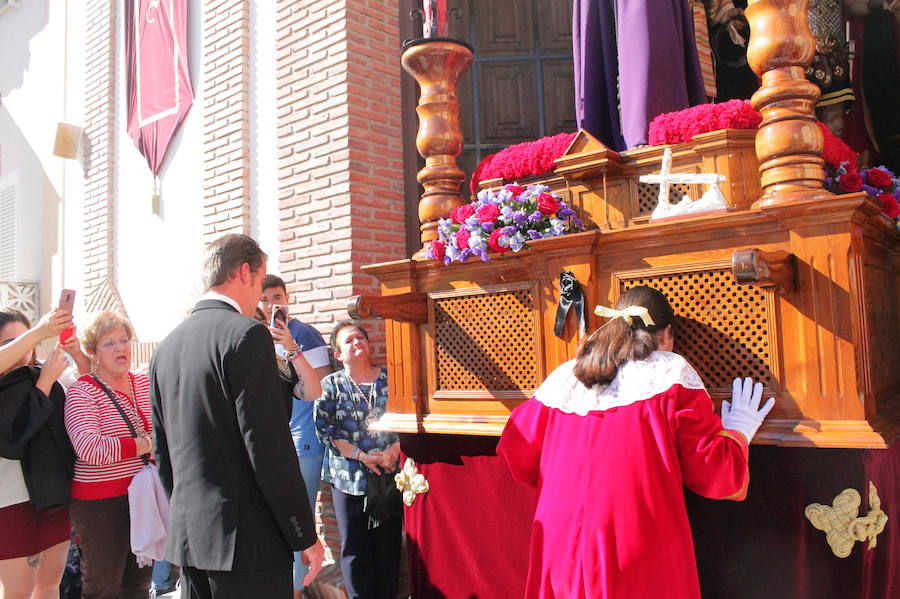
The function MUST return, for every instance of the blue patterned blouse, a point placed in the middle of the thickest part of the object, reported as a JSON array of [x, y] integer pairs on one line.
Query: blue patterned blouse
[[342, 414]]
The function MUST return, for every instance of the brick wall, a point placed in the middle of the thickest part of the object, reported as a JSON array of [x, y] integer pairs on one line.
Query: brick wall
[[226, 118], [99, 111], [340, 171], [340, 151]]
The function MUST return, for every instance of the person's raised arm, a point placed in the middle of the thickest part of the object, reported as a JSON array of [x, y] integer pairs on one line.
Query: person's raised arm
[[72, 346], [49, 325]]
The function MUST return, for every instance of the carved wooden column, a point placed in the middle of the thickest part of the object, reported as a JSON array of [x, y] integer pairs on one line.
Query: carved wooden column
[[789, 143], [437, 64]]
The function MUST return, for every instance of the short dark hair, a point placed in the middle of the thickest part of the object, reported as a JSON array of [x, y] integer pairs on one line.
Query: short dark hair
[[226, 254], [8, 315], [601, 353], [343, 325], [272, 281]]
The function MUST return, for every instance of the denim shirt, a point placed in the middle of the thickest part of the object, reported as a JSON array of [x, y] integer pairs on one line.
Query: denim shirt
[[342, 414]]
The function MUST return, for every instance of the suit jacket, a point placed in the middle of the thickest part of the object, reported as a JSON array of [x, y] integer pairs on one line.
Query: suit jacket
[[223, 445]]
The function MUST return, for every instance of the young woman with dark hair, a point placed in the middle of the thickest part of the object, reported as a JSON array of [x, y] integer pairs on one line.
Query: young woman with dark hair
[[36, 458], [609, 440]]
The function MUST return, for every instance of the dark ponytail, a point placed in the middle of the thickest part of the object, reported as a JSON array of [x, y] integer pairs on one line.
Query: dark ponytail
[[601, 353]]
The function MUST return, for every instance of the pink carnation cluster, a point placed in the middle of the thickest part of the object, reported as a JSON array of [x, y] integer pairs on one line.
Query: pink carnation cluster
[[522, 160], [681, 126]]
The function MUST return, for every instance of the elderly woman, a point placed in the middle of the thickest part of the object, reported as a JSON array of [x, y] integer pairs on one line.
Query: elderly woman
[[35, 458], [351, 399], [108, 419]]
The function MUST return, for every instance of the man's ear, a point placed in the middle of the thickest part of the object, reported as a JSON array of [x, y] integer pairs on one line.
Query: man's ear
[[245, 275]]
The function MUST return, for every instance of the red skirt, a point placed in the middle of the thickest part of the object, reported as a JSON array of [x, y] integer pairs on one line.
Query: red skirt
[[26, 531]]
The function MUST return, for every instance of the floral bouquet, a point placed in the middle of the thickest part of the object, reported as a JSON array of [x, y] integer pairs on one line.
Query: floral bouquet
[[878, 183], [500, 221]]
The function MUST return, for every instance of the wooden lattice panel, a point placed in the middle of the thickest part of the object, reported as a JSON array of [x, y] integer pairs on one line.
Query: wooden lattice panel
[[723, 328], [648, 195], [486, 341]]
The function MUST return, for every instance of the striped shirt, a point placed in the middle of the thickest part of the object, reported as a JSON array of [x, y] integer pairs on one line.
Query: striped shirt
[[105, 452]]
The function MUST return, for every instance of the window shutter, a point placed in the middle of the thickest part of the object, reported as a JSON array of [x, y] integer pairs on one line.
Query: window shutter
[[9, 226]]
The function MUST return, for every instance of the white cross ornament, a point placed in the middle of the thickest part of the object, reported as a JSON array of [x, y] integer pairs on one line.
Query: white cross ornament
[[711, 200]]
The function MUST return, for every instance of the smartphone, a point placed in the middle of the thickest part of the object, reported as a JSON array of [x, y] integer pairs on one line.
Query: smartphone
[[67, 303], [279, 316], [279, 319]]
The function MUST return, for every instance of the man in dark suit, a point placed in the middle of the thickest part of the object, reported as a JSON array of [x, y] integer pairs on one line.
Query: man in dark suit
[[222, 441]]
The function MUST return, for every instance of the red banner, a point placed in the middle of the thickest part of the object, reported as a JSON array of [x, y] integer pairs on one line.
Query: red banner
[[159, 84]]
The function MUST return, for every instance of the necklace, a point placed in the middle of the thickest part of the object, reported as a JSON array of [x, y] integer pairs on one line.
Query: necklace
[[136, 420], [370, 416]]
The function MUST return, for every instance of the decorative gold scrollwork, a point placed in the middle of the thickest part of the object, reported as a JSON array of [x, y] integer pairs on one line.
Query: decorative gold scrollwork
[[841, 521], [410, 482]]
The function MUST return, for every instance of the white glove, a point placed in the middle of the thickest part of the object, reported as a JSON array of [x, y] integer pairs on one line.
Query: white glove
[[743, 413]]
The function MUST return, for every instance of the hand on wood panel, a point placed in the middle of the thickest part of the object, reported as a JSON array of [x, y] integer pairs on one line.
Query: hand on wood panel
[[743, 413]]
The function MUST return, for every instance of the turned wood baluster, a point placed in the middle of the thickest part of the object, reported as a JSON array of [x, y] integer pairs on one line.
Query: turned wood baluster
[[789, 142], [437, 65]]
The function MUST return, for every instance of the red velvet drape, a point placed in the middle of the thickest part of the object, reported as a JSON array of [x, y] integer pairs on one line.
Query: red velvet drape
[[468, 537]]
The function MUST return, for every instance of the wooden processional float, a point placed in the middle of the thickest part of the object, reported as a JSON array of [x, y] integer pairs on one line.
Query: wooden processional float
[[787, 283], [792, 285]]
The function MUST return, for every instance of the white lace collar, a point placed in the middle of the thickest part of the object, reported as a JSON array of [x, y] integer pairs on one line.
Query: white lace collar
[[635, 381]]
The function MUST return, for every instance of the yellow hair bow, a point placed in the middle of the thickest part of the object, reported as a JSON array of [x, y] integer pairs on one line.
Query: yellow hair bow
[[626, 314]]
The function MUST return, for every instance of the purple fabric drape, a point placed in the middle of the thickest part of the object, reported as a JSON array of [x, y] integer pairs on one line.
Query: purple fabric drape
[[634, 60]]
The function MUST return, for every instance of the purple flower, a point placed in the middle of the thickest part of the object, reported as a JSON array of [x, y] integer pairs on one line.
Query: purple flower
[[872, 191], [519, 217], [487, 227], [510, 230], [534, 234], [536, 216], [565, 211], [516, 242]]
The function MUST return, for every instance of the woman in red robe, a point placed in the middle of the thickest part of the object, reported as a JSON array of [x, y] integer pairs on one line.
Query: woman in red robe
[[608, 441]]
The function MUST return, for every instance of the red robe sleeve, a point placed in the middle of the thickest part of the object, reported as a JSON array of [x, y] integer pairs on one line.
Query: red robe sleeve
[[522, 440], [713, 460]]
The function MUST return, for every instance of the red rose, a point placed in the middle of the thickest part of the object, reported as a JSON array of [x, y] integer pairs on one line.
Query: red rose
[[488, 213], [879, 178], [459, 215], [549, 204], [850, 182], [462, 239], [437, 248], [514, 189], [889, 205], [494, 244]]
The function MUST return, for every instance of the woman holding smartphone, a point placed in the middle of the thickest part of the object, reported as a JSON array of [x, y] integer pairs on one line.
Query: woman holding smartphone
[[36, 457]]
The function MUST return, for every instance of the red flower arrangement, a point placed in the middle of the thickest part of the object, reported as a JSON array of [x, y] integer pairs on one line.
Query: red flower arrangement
[[682, 125], [522, 160]]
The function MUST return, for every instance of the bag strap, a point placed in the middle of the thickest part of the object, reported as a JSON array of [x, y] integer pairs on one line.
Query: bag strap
[[144, 458]]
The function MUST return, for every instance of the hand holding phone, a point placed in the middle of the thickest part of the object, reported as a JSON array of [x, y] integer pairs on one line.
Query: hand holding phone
[[279, 322], [66, 304]]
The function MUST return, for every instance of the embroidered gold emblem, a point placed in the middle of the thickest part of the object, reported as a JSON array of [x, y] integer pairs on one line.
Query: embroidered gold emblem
[[841, 521], [410, 482]]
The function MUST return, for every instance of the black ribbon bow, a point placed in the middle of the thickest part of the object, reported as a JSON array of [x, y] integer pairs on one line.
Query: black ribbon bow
[[570, 294]]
